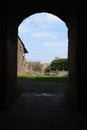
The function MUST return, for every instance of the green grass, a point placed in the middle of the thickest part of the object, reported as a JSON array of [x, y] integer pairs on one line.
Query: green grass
[[44, 78]]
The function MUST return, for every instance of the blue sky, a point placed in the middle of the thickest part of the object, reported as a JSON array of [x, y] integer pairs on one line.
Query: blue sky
[[45, 37]]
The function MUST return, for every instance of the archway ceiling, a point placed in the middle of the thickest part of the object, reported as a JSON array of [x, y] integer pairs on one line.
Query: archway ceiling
[[63, 9]]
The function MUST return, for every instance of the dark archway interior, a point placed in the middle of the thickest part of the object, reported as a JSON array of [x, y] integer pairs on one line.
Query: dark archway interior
[[74, 15]]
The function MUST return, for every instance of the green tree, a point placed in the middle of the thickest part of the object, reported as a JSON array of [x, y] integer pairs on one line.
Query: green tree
[[47, 70], [59, 64], [56, 66]]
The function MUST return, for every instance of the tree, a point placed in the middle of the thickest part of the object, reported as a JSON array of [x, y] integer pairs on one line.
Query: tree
[[59, 64], [36, 66], [47, 70]]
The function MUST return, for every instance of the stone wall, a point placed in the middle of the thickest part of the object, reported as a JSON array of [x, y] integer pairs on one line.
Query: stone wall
[[22, 62], [25, 67]]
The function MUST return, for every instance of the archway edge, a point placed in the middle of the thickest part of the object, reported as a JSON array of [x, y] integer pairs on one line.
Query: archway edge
[[68, 11], [62, 9]]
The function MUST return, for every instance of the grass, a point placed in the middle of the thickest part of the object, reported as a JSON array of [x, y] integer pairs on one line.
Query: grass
[[45, 78]]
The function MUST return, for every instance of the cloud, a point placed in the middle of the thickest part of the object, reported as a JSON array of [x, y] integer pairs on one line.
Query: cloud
[[44, 17], [53, 18], [24, 27], [40, 20], [43, 34], [55, 44]]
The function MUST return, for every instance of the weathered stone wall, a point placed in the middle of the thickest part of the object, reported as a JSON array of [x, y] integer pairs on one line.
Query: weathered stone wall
[[22, 62], [25, 67], [20, 58]]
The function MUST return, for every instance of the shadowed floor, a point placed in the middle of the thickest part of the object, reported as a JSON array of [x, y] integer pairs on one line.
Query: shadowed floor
[[42, 111]]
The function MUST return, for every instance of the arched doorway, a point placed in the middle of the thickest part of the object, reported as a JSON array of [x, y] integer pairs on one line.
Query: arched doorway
[[45, 37], [71, 14]]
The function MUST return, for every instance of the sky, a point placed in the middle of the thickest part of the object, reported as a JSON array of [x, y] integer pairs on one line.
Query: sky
[[44, 36]]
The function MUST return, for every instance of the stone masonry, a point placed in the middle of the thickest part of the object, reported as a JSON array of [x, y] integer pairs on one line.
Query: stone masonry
[[22, 62]]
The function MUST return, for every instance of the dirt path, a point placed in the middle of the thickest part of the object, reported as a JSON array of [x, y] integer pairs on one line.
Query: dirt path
[[41, 112]]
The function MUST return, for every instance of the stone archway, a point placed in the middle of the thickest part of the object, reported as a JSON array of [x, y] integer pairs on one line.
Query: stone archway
[[72, 15]]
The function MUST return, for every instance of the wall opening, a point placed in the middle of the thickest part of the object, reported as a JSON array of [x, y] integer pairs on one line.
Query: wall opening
[[43, 38]]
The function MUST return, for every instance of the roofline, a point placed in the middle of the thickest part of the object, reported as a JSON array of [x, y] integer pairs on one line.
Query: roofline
[[25, 50]]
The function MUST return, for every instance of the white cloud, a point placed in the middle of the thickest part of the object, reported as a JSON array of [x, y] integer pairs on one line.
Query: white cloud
[[53, 18], [38, 21], [43, 31], [55, 44], [43, 34], [41, 18], [23, 27], [44, 17]]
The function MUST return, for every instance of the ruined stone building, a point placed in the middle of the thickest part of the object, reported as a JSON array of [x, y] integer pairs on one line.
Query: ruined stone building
[[22, 62]]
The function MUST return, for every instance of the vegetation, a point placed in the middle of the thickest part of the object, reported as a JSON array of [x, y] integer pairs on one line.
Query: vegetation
[[36, 66], [50, 73], [45, 78], [59, 64], [56, 66]]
